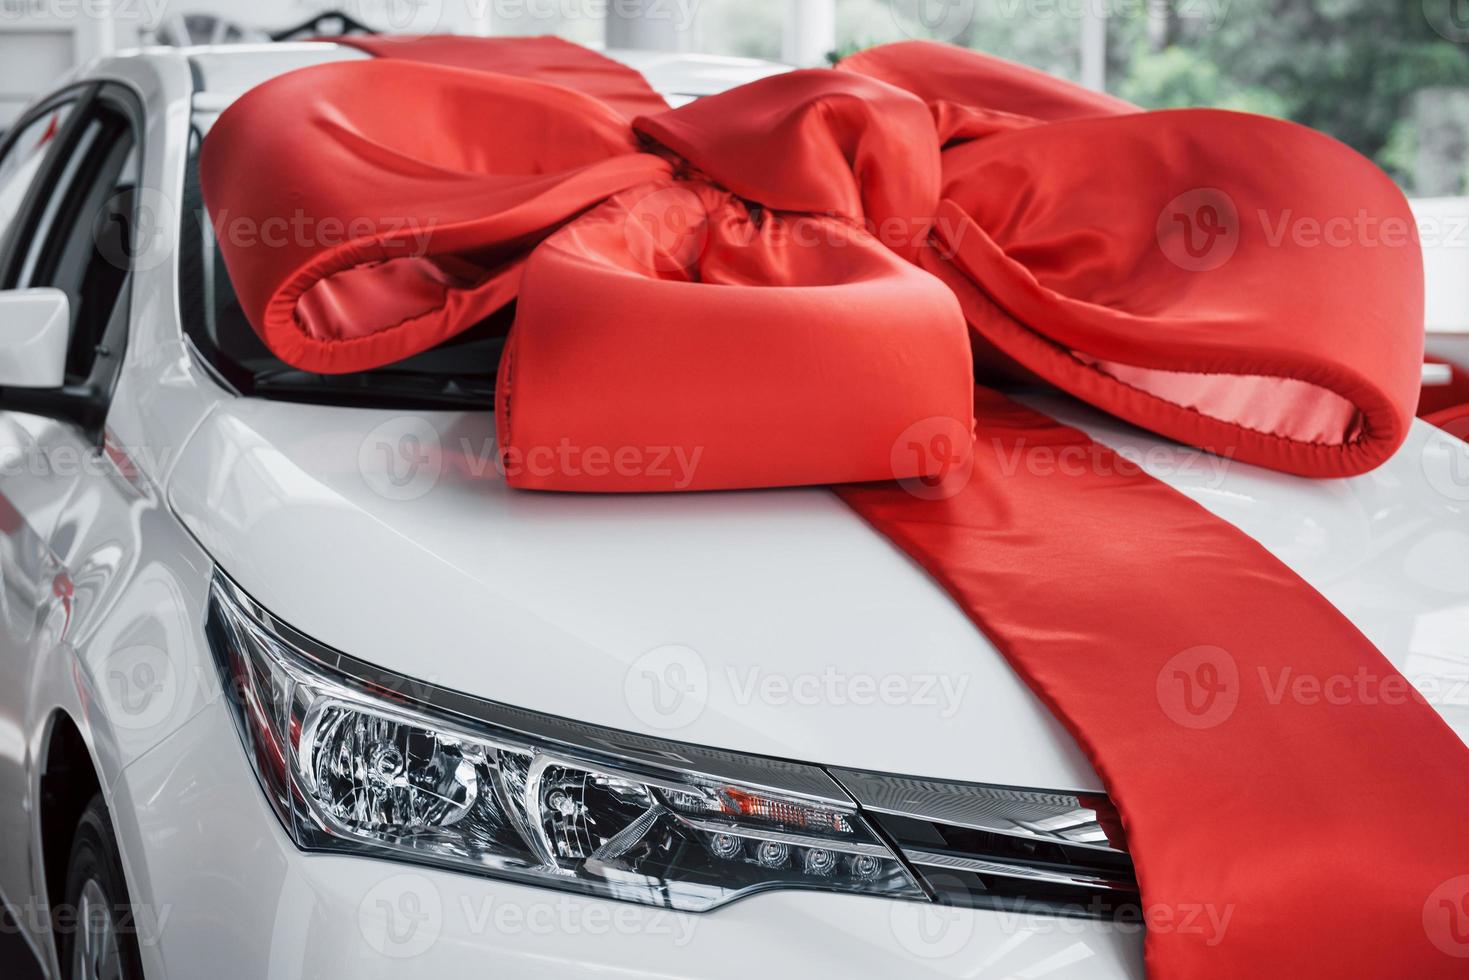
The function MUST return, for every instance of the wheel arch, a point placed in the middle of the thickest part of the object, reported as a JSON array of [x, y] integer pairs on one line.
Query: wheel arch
[[68, 779]]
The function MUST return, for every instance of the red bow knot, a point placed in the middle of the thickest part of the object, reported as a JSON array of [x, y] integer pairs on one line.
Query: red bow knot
[[788, 277]]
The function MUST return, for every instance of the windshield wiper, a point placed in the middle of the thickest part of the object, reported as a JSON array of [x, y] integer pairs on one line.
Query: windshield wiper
[[378, 389]]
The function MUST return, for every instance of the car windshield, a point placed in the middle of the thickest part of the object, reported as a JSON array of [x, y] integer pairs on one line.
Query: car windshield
[[460, 373]]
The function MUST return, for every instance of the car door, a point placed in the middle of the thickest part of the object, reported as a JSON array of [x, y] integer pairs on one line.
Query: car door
[[67, 203]]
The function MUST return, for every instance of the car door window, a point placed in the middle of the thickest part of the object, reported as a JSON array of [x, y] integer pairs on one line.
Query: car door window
[[22, 160], [82, 241]]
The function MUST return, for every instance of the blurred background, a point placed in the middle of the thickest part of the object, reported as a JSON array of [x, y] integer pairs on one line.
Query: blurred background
[[1388, 77]]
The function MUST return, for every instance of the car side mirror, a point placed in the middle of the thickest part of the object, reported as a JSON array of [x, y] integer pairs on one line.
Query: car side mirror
[[35, 327]]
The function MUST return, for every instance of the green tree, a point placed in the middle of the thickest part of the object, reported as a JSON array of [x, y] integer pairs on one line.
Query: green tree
[[1350, 68], [1355, 69]]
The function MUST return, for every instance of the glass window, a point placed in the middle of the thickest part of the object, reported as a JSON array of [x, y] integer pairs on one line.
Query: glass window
[[83, 239], [21, 163], [459, 373]]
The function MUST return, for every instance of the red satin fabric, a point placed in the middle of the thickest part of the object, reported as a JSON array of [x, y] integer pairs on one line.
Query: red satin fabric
[[780, 280], [824, 352], [541, 59], [1260, 342], [1274, 835], [973, 94], [1454, 421], [408, 215], [1439, 398], [1160, 265]]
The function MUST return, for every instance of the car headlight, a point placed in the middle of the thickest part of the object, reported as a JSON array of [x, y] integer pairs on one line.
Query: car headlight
[[353, 764]]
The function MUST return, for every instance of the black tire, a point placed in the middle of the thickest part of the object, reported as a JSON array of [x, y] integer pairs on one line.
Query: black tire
[[94, 872]]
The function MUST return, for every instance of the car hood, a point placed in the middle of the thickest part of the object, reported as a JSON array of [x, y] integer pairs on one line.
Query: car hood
[[774, 622]]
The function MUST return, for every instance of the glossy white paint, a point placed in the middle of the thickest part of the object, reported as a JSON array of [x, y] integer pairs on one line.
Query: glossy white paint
[[258, 908], [550, 603], [102, 587], [34, 328]]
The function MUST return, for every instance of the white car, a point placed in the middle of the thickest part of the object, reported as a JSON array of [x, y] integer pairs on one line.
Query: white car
[[292, 685]]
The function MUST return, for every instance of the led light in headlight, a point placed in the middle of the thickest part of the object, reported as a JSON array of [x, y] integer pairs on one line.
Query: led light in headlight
[[370, 772], [349, 767]]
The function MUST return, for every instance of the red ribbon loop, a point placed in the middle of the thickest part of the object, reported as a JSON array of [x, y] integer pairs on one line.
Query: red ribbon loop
[[1190, 271]]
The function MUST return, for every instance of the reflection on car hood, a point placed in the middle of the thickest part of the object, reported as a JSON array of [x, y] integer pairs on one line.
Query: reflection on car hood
[[773, 622]]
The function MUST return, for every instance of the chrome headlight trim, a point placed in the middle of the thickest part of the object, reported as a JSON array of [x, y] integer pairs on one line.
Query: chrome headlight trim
[[354, 759], [775, 775], [965, 844]]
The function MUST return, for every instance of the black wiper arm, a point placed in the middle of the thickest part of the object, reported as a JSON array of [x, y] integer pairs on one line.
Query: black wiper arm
[[381, 389]]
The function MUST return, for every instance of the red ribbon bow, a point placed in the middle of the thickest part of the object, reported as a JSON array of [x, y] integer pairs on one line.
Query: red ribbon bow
[[788, 279], [781, 276]]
